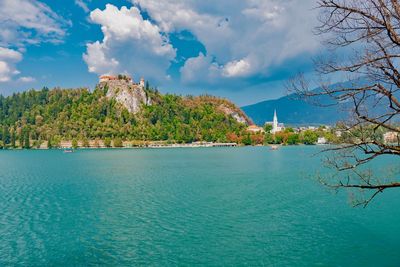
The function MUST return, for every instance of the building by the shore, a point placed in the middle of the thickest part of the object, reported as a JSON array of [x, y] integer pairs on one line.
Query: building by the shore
[[255, 129], [276, 126], [391, 137]]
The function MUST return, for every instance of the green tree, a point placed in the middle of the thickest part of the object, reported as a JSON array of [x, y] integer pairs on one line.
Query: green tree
[[309, 137], [37, 143], [5, 135], [49, 142], [278, 138], [85, 142], [27, 144], [107, 142], [293, 139], [21, 139], [118, 142], [74, 143], [268, 138], [13, 137], [268, 127], [289, 130], [247, 140]]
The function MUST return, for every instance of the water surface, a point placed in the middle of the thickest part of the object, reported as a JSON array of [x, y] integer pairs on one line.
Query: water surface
[[168, 207]]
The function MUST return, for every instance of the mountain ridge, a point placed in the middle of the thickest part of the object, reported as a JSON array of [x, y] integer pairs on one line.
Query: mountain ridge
[[294, 111]]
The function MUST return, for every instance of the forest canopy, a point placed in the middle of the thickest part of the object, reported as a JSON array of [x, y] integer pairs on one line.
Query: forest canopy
[[68, 114]]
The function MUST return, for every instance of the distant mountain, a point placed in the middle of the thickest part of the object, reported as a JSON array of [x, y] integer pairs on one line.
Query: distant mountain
[[293, 111]]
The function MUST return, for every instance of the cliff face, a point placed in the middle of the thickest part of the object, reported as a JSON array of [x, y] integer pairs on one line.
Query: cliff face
[[133, 96], [130, 95], [235, 113]]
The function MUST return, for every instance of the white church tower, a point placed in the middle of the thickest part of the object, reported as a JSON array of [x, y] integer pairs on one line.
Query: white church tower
[[275, 127]]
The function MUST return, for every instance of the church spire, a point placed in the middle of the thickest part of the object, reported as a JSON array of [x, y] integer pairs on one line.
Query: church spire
[[275, 123]]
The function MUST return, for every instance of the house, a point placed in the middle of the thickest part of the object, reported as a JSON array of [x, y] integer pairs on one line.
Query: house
[[391, 137], [255, 129]]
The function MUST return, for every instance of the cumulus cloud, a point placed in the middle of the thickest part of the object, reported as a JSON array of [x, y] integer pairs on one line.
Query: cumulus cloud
[[29, 22], [23, 23], [200, 66], [8, 59], [237, 68], [241, 41], [131, 44]]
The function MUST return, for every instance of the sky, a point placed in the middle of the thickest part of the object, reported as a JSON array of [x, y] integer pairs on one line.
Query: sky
[[243, 50]]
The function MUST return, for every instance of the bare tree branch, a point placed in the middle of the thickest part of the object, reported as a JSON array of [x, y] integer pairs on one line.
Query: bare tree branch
[[367, 33]]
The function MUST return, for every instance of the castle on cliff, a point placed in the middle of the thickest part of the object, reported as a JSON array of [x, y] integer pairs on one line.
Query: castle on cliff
[[125, 91], [120, 77]]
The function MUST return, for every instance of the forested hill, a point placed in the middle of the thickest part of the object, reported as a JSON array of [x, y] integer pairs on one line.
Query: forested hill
[[65, 114]]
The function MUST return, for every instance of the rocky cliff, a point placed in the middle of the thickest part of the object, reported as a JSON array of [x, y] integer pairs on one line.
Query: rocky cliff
[[132, 96], [128, 94], [236, 113]]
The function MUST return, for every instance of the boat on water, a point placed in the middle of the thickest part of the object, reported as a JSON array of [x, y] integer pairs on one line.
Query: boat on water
[[274, 147], [68, 150]]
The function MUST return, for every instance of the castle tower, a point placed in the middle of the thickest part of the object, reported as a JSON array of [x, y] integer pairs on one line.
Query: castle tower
[[275, 123], [141, 82]]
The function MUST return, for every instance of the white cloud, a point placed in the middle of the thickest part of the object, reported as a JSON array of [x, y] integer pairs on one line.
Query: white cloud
[[237, 68], [26, 79], [82, 5], [200, 66], [131, 44], [29, 22], [243, 38], [8, 59], [23, 23]]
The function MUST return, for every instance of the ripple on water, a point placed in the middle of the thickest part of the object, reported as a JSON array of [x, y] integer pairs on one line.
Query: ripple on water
[[241, 206]]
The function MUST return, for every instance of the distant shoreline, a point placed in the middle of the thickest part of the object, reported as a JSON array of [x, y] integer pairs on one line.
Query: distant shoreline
[[163, 146]]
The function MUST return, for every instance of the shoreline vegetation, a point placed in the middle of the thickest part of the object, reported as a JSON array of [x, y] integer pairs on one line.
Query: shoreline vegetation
[[286, 137], [128, 145], [112, 115]]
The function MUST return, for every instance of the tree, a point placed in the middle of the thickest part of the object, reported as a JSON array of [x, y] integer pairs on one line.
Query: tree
[[309, 137], [27, 144], [268, 138], [74, 143], [293, 139], [5, 135], [370, 92], [107, 142], [13, 137], [21, 138], [96, 143], [85, 142], [49, 143], [268, 128], [118, 142], [247, 140]]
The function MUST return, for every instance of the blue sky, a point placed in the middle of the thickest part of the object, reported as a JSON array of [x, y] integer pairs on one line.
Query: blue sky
[[243, 50]]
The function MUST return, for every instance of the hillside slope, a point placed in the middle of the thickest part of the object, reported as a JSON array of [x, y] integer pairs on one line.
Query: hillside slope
[[114, 110]]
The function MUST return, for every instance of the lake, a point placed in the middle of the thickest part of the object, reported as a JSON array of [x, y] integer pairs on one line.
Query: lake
[[189, 206]]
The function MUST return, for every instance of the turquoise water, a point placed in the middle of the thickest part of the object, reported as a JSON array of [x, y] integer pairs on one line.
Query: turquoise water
[[169, 207]]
